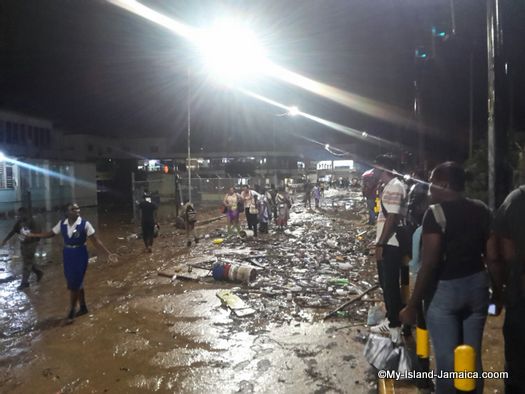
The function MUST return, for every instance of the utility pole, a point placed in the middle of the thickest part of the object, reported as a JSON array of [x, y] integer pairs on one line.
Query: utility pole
[[189, 134], [471, 106], [498, 177], [177, 203]]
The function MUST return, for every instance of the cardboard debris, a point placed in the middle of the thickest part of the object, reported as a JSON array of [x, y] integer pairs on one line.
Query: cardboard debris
[[234, 303]]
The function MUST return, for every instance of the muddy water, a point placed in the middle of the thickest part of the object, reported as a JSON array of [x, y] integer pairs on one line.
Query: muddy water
[[147, 333]]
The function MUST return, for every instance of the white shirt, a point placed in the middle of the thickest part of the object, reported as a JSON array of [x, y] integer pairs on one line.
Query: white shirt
[[71, 229], [249, 198], [393, 200]]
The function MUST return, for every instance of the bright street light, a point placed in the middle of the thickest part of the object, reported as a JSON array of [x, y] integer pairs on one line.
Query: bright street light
[[231, 50], [293, 111]]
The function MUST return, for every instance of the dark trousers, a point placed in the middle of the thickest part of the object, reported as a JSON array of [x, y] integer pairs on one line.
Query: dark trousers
[[388, 270], [263, 228], [371, 204], [252, 221], [28, 259], [148, 232], [514, 333]]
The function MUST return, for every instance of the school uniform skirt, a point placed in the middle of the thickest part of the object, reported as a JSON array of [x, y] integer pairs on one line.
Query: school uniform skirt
[[75, 266]]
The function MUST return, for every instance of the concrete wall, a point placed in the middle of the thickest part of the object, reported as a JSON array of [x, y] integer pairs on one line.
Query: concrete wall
[[49, 185]]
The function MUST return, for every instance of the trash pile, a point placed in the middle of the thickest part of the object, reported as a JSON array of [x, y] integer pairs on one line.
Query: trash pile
[[317, 264]]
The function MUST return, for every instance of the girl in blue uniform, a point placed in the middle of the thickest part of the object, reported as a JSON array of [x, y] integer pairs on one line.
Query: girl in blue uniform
[[75, 231]]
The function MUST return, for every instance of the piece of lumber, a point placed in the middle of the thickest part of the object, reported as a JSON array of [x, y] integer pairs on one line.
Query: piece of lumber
[[356, 298]]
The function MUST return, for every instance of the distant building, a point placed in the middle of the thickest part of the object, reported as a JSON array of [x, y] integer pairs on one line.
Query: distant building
[[36, 171], [50, 166]]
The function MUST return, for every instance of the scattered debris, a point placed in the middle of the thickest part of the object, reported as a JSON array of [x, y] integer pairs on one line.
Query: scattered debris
[[233, 272], [185, 273], [351, 301], [234, 303], [6, 277], [321, 260]]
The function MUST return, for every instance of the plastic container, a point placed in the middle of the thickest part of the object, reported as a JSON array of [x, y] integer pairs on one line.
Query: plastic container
[[233, 272], [218, 271], [246, 233]]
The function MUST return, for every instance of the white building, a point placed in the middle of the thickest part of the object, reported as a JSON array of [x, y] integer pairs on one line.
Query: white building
[[37, 171]]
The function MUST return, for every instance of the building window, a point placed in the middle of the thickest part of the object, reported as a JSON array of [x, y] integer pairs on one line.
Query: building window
[[6, 176], [154, 149]]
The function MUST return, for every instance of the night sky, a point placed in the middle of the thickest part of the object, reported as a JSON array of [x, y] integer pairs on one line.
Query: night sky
[[93, 68]]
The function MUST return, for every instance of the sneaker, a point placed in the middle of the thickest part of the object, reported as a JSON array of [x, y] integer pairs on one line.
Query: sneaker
[[381, 328], [82, 311], [23, 285], [70, 317], [188, 244], [395, 335], [196, 240]]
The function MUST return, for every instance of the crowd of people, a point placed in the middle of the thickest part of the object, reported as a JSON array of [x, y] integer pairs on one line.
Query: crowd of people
[[259, 206], [465, 257], [468, 261]]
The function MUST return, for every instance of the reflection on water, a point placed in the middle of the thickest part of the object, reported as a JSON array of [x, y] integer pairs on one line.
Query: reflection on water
[[18, 312]]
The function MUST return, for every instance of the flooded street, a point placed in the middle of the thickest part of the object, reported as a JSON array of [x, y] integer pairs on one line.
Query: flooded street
[[151, 333]]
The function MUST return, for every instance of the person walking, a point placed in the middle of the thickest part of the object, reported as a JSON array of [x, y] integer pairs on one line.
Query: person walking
[[308, 194], [452, 280], [232, 202], [316, 194], [284, 203], [249, 198], [265, 213], [388, 252], [23, 226], [506, 263], [270, 195], [75, 231], [148, 218], [190, 218]]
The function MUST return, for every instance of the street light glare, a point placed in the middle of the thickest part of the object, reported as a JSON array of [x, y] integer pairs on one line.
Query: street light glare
[[293, 111], [231, 51]]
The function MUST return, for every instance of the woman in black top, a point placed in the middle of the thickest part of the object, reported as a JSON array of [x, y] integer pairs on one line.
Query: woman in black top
[[452, 279], [148, 216]]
